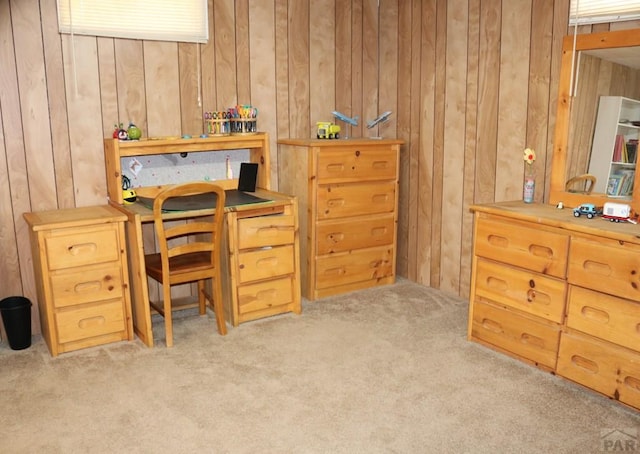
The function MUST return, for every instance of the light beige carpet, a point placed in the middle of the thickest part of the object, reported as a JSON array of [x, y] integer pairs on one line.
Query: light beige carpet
[[386, 370]]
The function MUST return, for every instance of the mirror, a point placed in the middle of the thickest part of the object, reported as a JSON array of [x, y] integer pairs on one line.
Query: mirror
[[606, 64]]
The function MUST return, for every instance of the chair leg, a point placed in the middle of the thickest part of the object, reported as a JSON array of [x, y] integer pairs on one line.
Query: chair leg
[[217, 306], [202, 297], [168, 320]]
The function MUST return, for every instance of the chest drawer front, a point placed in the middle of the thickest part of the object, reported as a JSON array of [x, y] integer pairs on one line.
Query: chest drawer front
[[89, 320], [265, 231], [82, 246], [610, 318], [611, 370], [357, 164], [266, 263], [343, 200], [340, 236], [519, 245], [523, 336], [358, 266], [88, 285], [609, 268], [265, 295], [529, 292]]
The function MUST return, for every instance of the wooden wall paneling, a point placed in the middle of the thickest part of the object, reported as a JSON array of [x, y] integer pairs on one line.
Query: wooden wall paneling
[[298, 64], [322, 62], [344, 70], [487, 108], [162, 88], [388, 73], [423, 132], [58, 119], [82, 87], [454, 143], [403, 114], [108, 85], [356, 69], [470, 144], [512, 113], [208, 68], [190, 89], [283, 105], [539, 79], [34, 106], [130, 85], [370, 64], [242, 51], [262, 50], [225, 48]]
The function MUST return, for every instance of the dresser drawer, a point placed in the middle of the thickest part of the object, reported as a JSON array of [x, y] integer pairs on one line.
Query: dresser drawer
[[529, 292], [82, 246], [265, 231], [611, 370], [87, 285], [610, 267], [357, 164], [83, 322], [604, 316], [344, 200], [524, 336], [340, 236], [266, 263], [515, 243], [265, 295], [358, 266]]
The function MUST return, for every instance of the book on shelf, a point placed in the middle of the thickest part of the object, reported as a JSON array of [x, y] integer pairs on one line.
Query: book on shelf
[[618, 149], [621, 184], [632, 150]]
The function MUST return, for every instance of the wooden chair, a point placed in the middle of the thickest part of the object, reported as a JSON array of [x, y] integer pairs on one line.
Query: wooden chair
[[189, 252]]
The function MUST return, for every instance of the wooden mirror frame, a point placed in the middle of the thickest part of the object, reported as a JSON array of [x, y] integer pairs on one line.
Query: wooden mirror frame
[[603, 40]]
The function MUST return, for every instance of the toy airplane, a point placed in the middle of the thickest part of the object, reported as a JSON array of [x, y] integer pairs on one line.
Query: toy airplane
[[382, 118], [351, 120]]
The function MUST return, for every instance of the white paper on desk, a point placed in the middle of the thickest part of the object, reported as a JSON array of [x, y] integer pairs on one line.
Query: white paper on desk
[[135, 166]]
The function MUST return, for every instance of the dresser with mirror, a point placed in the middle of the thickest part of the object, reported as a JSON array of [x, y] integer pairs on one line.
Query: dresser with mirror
[[558, 291]]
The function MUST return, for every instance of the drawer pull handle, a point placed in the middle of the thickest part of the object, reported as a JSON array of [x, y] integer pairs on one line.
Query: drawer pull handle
[[498, 241], [597, 267], [335, 237], [584, 363], [82, 248], [497, 283], [530, 339], [380, 198], [91, 286], [271, 231], [540, 251], [332, 203], [492, 325], [380, 165], [378, 231], [335, 167], [595, 314], [91, 321], [267, 261], [337, 271], [632, 382]]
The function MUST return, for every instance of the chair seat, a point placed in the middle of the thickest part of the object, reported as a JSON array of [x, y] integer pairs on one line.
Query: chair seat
[[177, 265]]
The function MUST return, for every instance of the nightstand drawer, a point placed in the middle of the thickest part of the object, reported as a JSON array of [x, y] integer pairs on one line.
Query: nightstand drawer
[[345, 200], [356, 164], [340, 236], [265, 295], [516, 244], [610, 267], [525, 336], [607, 317], [611, 370], [89, 321], [82, 246], [529, 292], [88, 285], [358, 266], [266, 263], [265, 231]]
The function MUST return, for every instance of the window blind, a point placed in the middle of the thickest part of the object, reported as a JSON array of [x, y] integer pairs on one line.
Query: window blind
[[162, 20], [599, 11]]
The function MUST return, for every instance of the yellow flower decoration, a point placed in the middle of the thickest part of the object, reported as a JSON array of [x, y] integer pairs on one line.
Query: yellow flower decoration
[[529, 156]]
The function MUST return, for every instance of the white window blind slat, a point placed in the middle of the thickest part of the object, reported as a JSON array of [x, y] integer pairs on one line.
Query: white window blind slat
[[163, 20], [600, 11]]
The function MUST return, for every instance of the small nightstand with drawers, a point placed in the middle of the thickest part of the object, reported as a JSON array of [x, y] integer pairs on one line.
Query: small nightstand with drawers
[[80, 265]]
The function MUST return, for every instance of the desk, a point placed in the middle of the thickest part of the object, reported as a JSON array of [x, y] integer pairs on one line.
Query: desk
[[263, 269]]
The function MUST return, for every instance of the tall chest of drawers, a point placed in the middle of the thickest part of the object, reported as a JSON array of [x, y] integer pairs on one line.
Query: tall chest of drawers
[[80, 265], [559, 292], [348, 203]]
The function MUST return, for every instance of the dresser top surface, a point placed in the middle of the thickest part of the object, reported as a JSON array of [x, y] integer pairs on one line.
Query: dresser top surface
[[73, 217]]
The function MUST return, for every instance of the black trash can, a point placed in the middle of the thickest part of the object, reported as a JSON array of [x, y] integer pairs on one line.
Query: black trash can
[[16, 317]]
